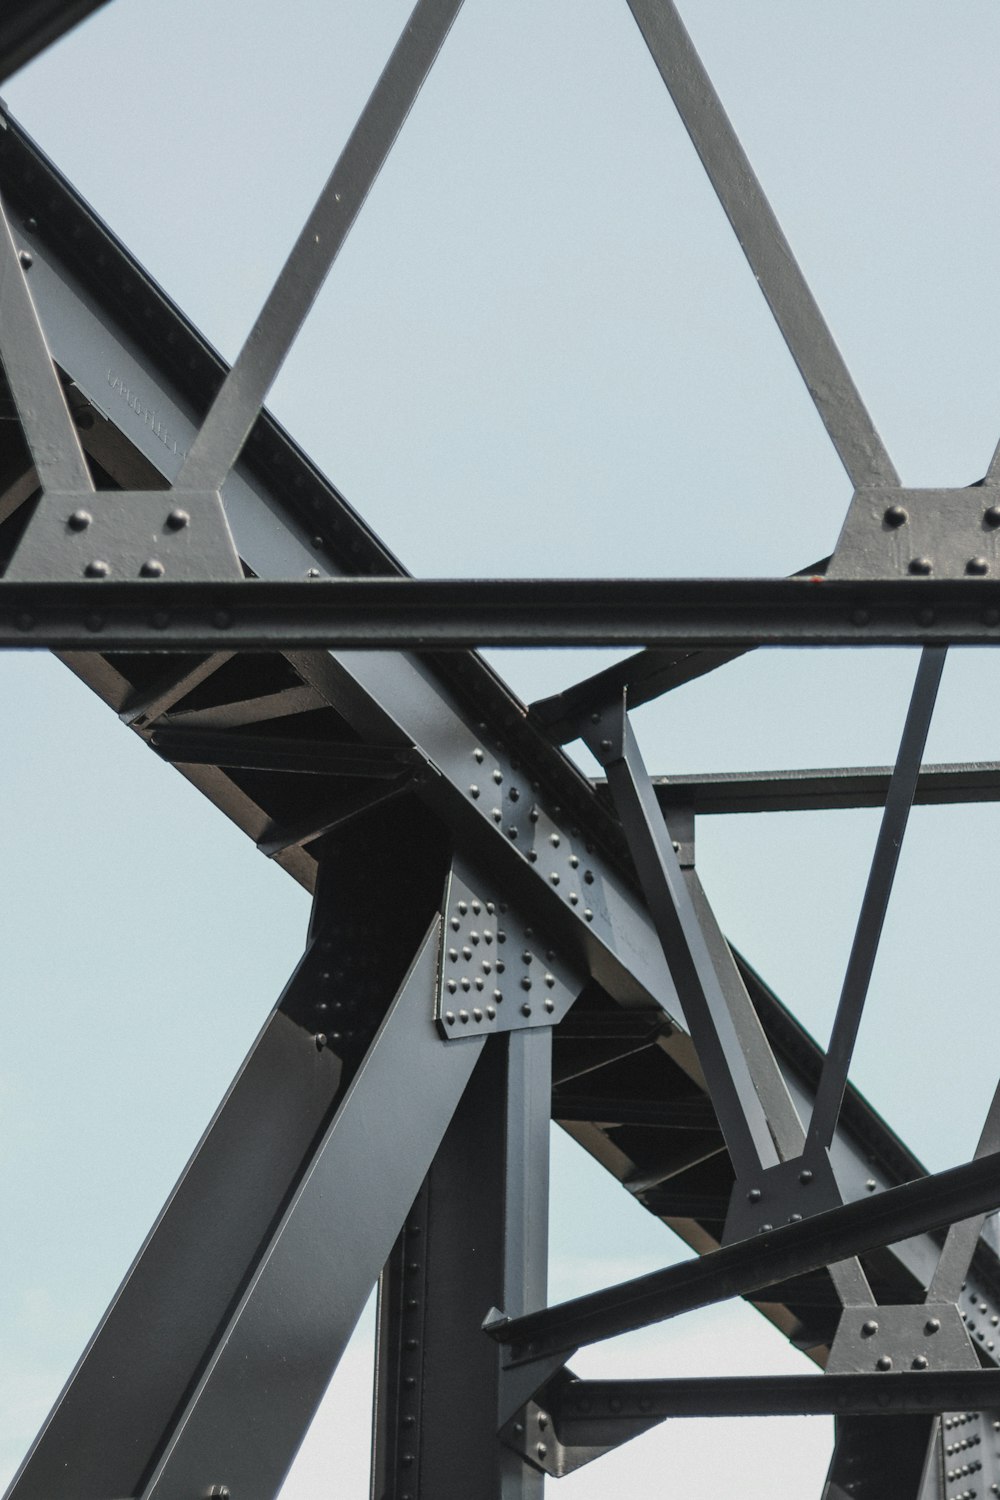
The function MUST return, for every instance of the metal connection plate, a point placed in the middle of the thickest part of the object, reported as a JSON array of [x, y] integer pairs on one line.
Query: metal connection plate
[[895, 533], [498, 972], [127, 534], [884, 1339], [784, 1194]]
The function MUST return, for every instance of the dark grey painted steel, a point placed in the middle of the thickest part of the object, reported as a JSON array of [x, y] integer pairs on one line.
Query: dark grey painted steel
[[875, 1457], [29, 26], [126, 534], [385, 695], [952, 1269], [590, 1410], [371, 698], [235, 409], [762, 1261], [875, 902], [820, 790], [715, 1028], [281, 753], [948, 533], [498, 971], [274, 1356], [647, 675], [459, 614], [929, 1335], [775, 269], [106, 1428], [38, 395], [477, 1233]]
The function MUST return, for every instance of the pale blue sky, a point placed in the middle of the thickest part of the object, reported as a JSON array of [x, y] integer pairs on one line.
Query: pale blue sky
[[540, 352]]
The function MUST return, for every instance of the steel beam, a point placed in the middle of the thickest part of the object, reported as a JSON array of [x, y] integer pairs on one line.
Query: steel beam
[[747, 1266], [477, 1235], [461, 614], [823, 790]]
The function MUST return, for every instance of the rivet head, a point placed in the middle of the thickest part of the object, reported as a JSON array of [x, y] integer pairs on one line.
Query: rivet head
[[992, 516], [884, 1362], [178, 519], [80, 520], [921, 566], [920, 1362], [26, 259], [805, 1176], [754, 1195], [491, 1012], [97, 569], [605, 747], [869, 1328], [550, 1005], [977, 567], [526, 1010], [463, 1016], [896, 515], [871, 1185], [526, 983], [151, 568], [320, 1040], [932, 1325], [477, 1014], [449, 1018]]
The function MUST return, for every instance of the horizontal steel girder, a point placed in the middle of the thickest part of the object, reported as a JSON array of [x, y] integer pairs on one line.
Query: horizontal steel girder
[[459, 614]]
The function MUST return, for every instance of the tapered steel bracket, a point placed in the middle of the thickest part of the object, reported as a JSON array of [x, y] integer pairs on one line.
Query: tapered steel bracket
[[897, 533], [880, 1340], [115, 535], [532, 1432], [782, 1194]]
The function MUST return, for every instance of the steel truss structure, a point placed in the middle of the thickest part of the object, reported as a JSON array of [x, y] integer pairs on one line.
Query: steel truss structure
[[495, 941]]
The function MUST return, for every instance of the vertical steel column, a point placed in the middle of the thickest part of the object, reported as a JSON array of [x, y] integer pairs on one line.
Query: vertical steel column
[[477, 1237]]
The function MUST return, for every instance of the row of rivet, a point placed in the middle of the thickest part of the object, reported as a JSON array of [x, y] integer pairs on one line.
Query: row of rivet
[[486, 935], [553, 841]]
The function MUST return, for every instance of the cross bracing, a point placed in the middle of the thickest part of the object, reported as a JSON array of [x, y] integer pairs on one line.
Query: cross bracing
[[624, 1014]]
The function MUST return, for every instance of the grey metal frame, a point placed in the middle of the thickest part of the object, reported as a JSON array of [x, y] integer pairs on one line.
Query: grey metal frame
[[569, 967]]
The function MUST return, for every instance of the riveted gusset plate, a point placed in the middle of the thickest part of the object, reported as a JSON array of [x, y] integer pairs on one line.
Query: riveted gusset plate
[[897, 533], [499, 971], [927, 1336], [127, 534], [782, 1194]]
